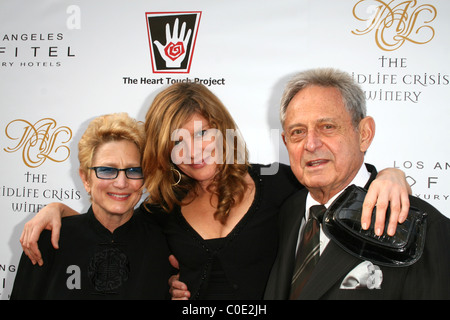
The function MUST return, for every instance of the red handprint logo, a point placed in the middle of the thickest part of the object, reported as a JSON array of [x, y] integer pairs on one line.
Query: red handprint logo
[[174, 51]]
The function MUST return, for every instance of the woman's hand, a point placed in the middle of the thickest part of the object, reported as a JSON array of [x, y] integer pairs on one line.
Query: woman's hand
[[178, 290], [390, 188], [48, 218]]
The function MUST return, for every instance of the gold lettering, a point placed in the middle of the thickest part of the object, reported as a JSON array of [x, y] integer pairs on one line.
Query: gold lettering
[[396, 22], [40, 141]]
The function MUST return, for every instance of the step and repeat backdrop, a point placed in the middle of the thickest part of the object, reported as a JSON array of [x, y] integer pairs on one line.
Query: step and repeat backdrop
[[62, 63]]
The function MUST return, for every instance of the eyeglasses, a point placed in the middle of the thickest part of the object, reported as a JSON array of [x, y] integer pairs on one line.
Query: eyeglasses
[[109, 173]]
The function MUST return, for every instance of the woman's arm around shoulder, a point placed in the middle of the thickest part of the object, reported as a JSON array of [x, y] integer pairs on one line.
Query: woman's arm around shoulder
[[48, 218]]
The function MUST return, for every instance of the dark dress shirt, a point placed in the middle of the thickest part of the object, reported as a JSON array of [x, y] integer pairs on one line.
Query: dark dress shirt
[[93, 263]]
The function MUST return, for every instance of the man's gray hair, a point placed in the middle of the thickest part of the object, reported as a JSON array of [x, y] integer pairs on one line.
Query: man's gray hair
[[352, 95]]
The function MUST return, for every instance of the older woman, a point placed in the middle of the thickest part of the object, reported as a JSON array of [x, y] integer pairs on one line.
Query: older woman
[[110, 252]]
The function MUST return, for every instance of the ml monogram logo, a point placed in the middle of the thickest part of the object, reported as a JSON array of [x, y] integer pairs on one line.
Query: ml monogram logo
[[396, 22], [40, 141]]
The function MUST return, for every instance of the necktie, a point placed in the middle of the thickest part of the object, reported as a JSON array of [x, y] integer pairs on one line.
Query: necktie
[[308, 251]]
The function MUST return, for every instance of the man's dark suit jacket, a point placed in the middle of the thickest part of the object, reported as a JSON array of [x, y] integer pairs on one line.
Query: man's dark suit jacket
[[428, 278]]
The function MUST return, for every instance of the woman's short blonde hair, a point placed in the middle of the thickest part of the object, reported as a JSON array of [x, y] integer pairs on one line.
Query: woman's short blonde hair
[[170, 109], [106, 128]]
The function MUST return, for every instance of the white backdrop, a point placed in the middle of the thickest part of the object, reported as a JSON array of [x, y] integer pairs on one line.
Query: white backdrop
[[63, 63]]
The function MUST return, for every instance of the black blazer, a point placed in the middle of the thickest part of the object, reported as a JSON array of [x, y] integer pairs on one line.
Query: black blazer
[[429, 278]]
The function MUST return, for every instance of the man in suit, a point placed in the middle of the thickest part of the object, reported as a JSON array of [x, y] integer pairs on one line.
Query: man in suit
[[326, 132]]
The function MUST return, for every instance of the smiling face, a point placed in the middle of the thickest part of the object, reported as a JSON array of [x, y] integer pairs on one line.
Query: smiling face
[[325, 149], [114, 200]]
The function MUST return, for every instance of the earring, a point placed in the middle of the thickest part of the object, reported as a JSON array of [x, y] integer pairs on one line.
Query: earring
[[179, 176]]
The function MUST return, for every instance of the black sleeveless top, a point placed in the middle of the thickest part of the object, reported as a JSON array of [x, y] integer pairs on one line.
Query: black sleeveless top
[[238, 265]]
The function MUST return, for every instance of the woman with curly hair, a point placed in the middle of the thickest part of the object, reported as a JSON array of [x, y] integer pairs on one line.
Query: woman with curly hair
[[222, 210]]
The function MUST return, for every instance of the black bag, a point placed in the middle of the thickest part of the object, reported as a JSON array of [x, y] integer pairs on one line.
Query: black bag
[[342, 224]]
